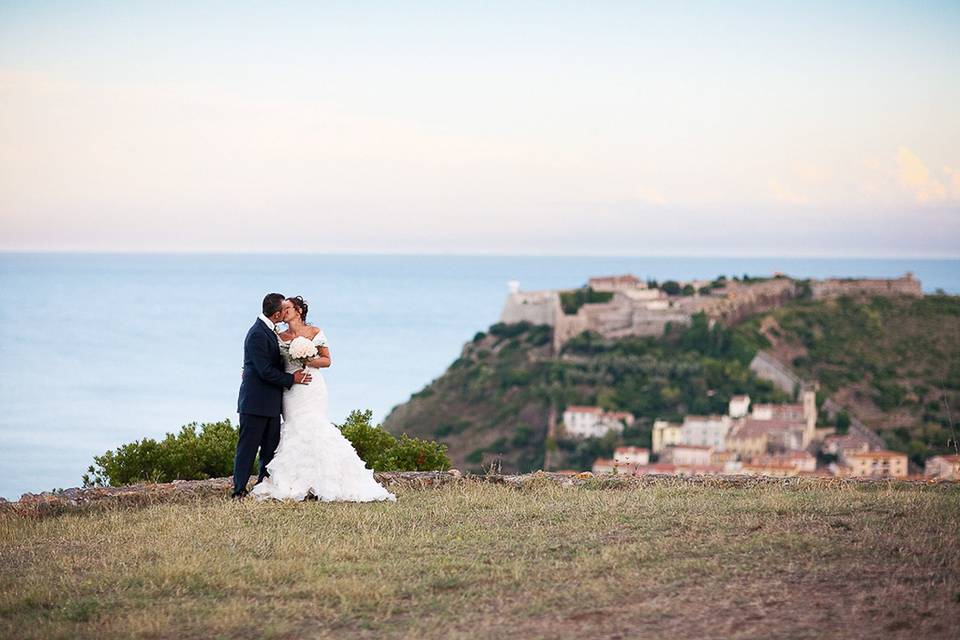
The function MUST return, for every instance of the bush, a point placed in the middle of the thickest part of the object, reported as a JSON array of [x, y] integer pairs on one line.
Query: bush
[[670, 287], [843, 423], [383, 452], [503, 330], [186, 456], [571, 301], [193, 455]]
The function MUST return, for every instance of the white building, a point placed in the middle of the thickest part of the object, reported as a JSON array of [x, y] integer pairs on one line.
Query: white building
[[688, 455], [631, 455], [594, 422], [706, 431], [739, 406]]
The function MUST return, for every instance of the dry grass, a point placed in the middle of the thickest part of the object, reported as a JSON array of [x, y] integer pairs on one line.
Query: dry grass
[[480, 560]]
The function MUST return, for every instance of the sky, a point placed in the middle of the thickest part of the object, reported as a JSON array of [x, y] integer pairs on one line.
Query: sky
[[581, 128]]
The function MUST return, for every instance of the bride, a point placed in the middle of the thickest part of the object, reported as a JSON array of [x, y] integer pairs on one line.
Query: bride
[[313, 459]]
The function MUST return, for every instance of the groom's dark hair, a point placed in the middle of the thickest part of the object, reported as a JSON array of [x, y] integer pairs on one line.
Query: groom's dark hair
[[271, 303]]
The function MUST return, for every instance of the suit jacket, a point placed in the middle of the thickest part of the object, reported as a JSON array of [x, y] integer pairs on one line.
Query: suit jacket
[[264, 378]]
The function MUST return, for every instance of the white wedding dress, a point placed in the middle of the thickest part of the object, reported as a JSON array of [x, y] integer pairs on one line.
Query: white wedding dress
[[313, 456]]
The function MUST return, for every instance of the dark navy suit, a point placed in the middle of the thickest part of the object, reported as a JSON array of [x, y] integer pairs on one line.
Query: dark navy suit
[[260, 402]]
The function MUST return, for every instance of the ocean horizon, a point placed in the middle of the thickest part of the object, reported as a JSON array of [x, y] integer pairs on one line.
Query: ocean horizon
[[100, 349]]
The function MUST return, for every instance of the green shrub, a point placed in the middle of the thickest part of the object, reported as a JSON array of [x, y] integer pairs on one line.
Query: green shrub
[[186, 456], [843, 423], [670, 287], [503, 330], [383, 452], [193, 455], [571, 301], [413, 454]]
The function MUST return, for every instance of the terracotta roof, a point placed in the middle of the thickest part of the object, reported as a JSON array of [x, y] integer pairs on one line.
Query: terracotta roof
[[950, 458], [700, 468], [581, 409], [877, 454], [769, 465], [751, 428]]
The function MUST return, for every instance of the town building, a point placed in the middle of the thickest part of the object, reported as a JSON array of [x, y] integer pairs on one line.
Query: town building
[[943, 467], [666, 434], [706, 431], [789, 415], [739, 406], [877, 464], [687, 455], [631, 455], [776, 469], [843, 445], [594, 422], [799, 461]]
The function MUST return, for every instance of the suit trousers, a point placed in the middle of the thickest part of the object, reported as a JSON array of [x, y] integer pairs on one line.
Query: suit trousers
[[256, 432]]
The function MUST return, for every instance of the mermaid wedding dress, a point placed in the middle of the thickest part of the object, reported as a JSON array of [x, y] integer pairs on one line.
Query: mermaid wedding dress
[[313, 456]]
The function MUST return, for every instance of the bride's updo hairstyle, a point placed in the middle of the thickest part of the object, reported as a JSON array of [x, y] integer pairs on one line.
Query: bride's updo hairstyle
[[300, 305]]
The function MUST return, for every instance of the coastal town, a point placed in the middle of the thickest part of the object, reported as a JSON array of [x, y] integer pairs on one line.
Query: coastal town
[[781, 440], [765, 439]]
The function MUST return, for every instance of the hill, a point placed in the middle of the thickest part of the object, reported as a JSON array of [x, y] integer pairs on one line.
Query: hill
[[895, 362], [892, 362], [496, 403]]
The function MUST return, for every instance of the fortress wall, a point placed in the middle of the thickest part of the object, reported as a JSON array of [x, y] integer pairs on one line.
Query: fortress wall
[[836, 287], [567, 327], [536, 307], [605, 318]]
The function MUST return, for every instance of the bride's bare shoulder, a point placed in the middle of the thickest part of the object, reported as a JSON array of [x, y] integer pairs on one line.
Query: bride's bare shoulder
[[312, 331]]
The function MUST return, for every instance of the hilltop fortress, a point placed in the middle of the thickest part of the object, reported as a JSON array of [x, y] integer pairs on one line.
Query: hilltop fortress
[[633, 307]]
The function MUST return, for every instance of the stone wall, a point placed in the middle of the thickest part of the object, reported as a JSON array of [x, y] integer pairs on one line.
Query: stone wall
[[536, 307], [769, 368], [836, 287]]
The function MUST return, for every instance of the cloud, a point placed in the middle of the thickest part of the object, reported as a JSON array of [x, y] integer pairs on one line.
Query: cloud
[[914, 176], [784, 194]]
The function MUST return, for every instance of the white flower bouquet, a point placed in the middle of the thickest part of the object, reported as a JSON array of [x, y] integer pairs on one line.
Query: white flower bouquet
[[301, 351]]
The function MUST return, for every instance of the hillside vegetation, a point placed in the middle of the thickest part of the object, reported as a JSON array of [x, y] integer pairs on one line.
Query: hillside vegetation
[[895, 362], [494, 403], [474, 560]]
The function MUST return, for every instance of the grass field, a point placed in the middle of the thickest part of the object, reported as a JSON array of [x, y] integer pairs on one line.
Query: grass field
[[480, 560]]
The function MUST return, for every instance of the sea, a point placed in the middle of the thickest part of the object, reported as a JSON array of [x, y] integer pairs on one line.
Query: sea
[[97, 350]]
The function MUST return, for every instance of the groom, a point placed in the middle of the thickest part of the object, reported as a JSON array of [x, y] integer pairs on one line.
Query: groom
[[261, 393]]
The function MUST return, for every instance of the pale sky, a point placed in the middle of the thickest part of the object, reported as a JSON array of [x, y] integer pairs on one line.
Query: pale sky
[[734, 128]]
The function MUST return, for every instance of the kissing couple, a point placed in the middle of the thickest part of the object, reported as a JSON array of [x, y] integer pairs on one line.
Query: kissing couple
[[305, 456]]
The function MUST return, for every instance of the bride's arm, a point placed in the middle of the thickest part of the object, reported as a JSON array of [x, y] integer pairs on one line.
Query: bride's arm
[[322, 361]]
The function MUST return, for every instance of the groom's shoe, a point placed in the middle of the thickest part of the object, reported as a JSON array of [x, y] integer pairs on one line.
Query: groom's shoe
[[239, 495]]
